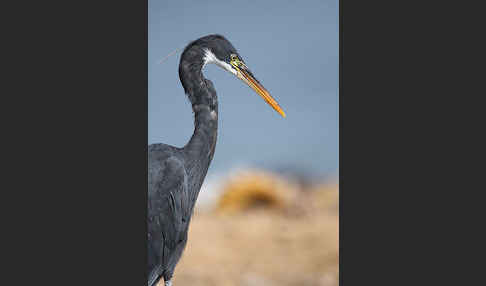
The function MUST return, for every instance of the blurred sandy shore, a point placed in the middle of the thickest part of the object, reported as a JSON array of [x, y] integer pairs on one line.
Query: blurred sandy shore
[[265, 246]]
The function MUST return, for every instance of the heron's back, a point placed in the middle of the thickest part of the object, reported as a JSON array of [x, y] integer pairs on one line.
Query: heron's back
[[168, 210]]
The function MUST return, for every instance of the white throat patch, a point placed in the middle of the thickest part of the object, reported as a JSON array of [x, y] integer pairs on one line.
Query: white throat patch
[[210, 58]]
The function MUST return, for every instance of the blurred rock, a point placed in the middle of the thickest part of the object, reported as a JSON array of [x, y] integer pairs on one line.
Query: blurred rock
[[254, 189]]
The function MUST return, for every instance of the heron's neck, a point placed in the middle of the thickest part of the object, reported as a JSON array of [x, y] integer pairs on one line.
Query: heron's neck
[[202, 95], [200, 149], [203, 140]]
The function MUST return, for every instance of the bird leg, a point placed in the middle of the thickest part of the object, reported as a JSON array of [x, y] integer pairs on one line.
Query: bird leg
[[168, 283]]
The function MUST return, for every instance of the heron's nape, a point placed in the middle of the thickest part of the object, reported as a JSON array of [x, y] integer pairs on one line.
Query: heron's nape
[[175, 175]]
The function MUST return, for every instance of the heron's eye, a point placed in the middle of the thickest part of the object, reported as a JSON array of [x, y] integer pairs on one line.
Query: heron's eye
[[235, 61]]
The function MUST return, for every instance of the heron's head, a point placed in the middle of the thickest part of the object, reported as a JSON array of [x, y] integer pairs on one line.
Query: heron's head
[[218, 50]]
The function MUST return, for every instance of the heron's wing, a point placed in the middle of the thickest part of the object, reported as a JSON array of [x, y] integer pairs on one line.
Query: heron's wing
[[167, 205]]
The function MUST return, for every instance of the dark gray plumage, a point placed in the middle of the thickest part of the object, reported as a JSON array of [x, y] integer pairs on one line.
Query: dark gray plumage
[[175, 175]]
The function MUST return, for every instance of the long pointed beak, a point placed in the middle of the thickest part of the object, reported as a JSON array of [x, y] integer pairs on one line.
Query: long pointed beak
[[245, 75]]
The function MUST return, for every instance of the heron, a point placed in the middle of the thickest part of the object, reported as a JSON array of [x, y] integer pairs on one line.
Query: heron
[[175, 175]]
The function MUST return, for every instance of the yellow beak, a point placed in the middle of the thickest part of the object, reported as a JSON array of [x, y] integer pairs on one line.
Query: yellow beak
[[245, 75]]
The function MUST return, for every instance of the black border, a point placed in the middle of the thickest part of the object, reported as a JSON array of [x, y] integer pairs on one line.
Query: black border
[[389, 184], [75, 142], [76, 154]]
